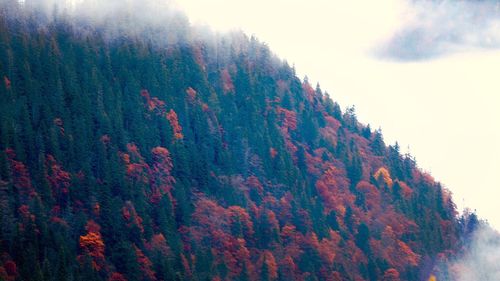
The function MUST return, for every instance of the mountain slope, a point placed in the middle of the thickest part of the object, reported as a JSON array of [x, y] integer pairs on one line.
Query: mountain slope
[[122, 158]]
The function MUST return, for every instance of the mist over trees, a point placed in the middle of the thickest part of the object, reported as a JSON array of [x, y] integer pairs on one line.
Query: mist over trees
[[157, 151]]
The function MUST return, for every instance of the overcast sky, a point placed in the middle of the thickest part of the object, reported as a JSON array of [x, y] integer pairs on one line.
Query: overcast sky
[[428, 74]]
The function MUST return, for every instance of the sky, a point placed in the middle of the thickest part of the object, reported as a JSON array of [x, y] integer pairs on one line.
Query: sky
[[425, 72]]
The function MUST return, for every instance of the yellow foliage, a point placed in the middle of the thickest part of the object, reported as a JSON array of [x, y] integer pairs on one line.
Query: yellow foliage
[[386, 176], [432, 278]]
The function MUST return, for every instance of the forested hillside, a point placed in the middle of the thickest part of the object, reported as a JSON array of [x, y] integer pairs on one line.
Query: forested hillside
[[122, 158]]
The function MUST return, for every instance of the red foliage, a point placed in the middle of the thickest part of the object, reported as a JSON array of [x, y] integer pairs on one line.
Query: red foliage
[[191, 93], [288, 118], [288, 268], [153, 104], [185, 265], [273, 152], [240, 215], [96, 209], [20, 176], [115, 276], [8, 271], [329, 132], [92, 245], [227, 82], [6, 82], [283, 86], [212, 226], [198, 56], [131, 216], [405, 189], [396, 252], [174, 122], [59, 123], [105, 139], [158, 244], [372, 195], [24, 211], [158, 107], [10, 268], [308, 90], [391, 275], [333, 189], [328, 247], [59, 180], [145, 264], [137, 169], [254, 183], [268, 259], [314, 164]]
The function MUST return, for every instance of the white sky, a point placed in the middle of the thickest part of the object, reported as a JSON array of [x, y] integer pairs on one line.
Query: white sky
[[444, 109]]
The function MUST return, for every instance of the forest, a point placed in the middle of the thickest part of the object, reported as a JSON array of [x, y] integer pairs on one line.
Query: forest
[[199, 158]]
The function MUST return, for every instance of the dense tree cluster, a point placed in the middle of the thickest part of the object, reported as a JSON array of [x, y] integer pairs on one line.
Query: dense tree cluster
[[201, 160]]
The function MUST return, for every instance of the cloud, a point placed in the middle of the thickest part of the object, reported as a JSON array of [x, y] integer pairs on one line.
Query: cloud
[[436, 28]]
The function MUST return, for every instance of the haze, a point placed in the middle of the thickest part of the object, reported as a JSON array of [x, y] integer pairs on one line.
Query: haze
[[427, 75]]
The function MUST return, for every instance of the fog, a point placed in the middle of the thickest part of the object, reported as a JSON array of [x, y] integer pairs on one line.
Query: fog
[[479, 262]]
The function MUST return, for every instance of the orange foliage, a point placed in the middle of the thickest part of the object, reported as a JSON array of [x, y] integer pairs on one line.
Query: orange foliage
[[174, 122], [92, 245]]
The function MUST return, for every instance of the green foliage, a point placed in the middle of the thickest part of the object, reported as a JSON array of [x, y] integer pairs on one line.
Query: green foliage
[[290, 177]]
